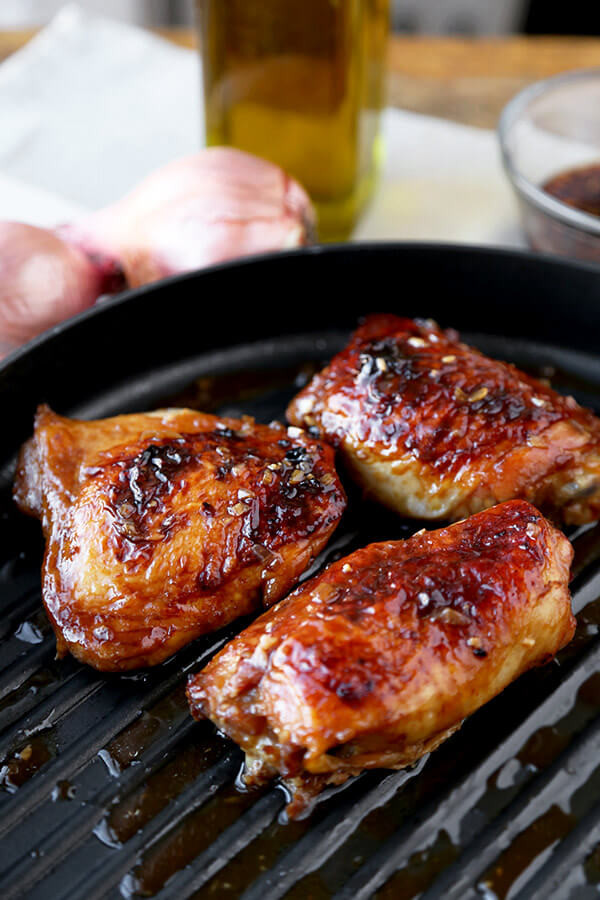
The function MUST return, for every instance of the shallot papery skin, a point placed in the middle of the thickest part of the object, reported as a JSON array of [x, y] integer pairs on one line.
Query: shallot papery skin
[[216, 205], [43, 280]]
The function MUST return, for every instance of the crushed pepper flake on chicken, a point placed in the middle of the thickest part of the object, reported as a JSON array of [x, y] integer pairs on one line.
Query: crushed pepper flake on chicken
[[380, 658], [162, 526], [436, 430]]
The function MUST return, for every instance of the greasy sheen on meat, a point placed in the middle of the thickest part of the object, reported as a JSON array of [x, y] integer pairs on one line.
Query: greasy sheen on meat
[[436, 430], [379, 659], [162, 526]]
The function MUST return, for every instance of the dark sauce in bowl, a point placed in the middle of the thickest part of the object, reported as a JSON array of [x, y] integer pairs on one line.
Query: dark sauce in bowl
[[577, 187]]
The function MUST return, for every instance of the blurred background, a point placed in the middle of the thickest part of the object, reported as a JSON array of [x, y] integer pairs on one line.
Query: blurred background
[[430, 16]]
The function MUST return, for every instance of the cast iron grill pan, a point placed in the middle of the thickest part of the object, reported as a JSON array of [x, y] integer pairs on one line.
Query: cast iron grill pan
[[107, 786]]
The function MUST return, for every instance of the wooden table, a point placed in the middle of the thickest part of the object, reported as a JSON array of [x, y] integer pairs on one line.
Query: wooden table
[[465, 79]]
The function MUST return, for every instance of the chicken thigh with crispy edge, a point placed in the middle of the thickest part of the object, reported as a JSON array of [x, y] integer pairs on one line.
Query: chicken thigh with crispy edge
[[162, 526], [434, 429], [378, 659]]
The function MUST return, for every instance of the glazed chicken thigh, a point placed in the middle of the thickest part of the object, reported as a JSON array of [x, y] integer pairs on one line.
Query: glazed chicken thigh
[[436, 430], [378, 659], [162, 526]]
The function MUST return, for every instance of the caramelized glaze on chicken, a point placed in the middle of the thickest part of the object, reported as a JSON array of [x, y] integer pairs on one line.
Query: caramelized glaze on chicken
[[162, 526], [378, 659], [434, 429]]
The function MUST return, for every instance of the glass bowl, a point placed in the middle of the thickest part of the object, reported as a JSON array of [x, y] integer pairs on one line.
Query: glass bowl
[[549, 128]]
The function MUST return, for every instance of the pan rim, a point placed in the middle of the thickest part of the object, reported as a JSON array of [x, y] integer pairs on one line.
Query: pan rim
[[529, 257]]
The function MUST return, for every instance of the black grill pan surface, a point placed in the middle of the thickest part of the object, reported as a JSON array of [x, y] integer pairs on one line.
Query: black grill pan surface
[[107, 786]]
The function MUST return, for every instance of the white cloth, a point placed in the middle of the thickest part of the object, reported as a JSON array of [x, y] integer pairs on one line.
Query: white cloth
[[90, 106]]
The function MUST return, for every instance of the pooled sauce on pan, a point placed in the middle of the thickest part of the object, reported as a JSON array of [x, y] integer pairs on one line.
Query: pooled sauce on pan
[[577, 187]]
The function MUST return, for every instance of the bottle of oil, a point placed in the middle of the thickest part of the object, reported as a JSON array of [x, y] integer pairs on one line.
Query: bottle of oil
[[300, 82]]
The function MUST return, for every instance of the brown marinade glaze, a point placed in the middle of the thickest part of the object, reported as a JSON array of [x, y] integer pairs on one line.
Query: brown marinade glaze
[[551, 827], [577, 187], [211, 393], [164, 526], [20, 766], [580, 189], [338, 677], [435, 429], [139, 489]]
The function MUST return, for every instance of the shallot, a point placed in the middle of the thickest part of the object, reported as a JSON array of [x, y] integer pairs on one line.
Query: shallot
[[216, 205], [43, 280]]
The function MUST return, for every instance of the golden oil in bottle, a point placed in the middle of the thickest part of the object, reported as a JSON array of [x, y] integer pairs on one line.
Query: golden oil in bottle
[[300, 82]]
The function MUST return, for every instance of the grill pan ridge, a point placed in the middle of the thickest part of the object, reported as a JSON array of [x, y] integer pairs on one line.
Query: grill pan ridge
[[107, 786]]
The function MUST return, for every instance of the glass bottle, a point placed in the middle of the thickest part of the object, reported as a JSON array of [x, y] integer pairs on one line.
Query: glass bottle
[[300, 82]]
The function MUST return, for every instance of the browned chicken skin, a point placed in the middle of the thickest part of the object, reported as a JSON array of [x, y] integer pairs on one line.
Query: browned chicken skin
[[379, 659], [436, 430], [163, 526]]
